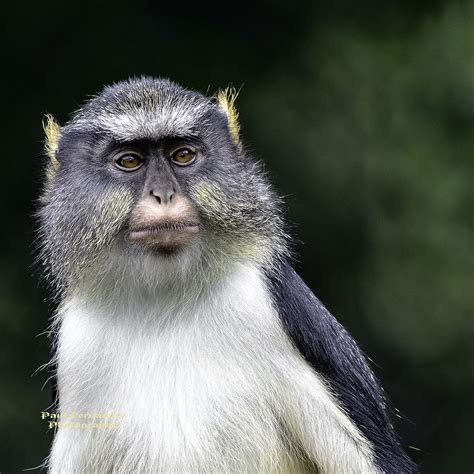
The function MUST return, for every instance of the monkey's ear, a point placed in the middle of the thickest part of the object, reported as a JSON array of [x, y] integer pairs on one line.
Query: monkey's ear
[[226, 101], [52, 133]]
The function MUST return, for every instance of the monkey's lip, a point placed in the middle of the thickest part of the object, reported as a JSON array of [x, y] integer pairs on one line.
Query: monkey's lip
[[165, 234]]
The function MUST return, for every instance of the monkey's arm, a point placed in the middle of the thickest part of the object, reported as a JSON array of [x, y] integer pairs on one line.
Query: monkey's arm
[[334, 355]]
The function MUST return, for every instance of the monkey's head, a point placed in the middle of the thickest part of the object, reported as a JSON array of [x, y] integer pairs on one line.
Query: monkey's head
[[150, 178]]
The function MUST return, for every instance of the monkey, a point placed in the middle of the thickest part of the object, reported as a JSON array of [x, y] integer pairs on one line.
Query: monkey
[[179, 309]]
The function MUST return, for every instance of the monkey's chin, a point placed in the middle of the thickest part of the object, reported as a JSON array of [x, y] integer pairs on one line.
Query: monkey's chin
[[164, 239]]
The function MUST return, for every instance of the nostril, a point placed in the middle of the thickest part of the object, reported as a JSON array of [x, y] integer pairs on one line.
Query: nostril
[[163, 196], [156, 195]]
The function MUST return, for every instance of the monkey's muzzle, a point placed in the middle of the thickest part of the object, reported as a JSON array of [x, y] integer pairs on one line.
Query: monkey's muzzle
[[163, 227]]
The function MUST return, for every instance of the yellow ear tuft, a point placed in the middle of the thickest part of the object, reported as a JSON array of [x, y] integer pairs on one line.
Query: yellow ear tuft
[[52, 132], [226, 99]]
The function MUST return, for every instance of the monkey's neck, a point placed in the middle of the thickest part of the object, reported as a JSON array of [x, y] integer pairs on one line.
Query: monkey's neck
[[135, 277]]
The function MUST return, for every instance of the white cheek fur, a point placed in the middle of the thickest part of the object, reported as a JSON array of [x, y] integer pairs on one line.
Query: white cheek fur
[[207, 380]]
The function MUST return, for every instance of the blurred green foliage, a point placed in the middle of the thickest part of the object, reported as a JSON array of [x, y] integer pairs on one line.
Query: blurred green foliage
[[362, 113]]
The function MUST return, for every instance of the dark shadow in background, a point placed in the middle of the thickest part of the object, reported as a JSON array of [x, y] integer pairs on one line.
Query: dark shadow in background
[[362, 113]]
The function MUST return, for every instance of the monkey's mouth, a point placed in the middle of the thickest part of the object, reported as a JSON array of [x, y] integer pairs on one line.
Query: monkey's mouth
[[164, 235]]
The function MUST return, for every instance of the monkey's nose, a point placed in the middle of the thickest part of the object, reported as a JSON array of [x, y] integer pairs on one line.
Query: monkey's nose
[[163, 196]]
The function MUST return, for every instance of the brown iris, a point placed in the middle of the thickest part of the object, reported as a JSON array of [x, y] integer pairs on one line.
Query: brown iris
[[183, 156], [128, 161]]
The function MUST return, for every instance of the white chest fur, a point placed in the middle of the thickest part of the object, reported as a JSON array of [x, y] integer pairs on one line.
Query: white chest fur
[[205, 384]]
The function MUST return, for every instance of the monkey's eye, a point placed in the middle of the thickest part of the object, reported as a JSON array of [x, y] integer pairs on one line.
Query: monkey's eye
[[183, 156], [128, 161]]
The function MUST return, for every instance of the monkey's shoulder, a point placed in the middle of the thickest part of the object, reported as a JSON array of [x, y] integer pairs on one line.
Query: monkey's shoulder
[[332, 352], [321, 339]]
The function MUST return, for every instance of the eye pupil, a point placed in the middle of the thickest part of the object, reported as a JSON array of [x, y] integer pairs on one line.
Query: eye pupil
[[129, 161]]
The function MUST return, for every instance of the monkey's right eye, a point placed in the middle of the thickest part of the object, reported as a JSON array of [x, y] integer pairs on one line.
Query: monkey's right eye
[[128, 161]]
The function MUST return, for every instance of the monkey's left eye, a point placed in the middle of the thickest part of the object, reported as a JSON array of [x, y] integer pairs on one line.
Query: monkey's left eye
[[128, 161], [183, 156]]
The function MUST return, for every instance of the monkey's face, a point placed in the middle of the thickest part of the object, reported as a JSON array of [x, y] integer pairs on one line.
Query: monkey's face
[[148, 168], [162, 218]]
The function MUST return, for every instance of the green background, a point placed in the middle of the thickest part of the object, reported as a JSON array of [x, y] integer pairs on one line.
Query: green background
[[362, 113]]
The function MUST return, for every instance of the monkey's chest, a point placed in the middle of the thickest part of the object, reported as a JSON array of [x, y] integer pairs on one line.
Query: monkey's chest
[[182, 398]]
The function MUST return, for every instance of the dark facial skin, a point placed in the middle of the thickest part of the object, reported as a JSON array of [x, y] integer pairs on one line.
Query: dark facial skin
[[164, 218]]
